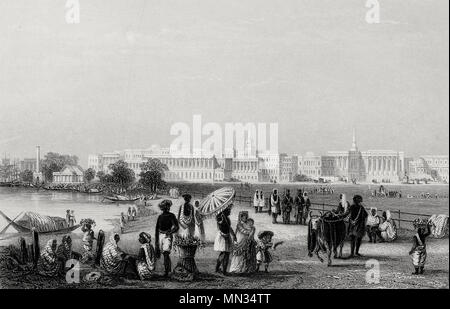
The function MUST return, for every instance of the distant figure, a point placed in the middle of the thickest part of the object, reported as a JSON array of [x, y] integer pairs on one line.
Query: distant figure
[[275, 205], [122, 222], [256, 201], [343, 205], [299, 207], [129, 214], [287, 207], [307, 206], [261, 201], [68, 217], [133, 213], [418, 251], [72, 219]]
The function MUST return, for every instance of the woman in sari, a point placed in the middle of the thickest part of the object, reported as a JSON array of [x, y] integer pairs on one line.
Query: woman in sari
[[189, 218], [113, 260], [388, 229], [146, 260], [243, 258], [48, 264]]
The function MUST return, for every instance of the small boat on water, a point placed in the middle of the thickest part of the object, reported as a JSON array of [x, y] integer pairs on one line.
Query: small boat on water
[[120, 198], [42, 224]]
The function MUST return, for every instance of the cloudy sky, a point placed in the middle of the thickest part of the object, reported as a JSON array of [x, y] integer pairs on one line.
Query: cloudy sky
[[130, 69]]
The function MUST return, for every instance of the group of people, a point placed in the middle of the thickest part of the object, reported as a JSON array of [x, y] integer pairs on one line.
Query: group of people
[[285, 205], [131, 215], [238, 248], [70, 218]]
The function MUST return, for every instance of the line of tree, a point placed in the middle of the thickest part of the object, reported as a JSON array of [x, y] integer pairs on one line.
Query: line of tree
[[151, 176]]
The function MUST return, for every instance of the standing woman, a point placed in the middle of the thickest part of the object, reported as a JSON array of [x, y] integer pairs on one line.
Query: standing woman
[[241, 257], [189, 218], [256, 201]]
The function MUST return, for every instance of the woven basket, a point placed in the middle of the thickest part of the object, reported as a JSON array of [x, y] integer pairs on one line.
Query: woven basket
[[187, 251]]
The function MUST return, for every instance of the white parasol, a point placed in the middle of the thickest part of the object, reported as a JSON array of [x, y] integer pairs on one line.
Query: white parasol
[[216, 202]]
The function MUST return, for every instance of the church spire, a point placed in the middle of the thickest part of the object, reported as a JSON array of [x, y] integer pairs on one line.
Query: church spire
[[354, 148]]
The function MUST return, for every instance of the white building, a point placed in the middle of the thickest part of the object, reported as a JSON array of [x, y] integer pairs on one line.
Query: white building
[[70, 174]]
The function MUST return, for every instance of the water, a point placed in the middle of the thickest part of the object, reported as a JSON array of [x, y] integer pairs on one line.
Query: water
[[53, 203]]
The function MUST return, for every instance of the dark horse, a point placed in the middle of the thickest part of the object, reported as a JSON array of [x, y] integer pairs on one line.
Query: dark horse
[[326, 233]]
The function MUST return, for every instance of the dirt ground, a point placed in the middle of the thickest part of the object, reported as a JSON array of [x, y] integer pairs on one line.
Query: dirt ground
[[291, 268]]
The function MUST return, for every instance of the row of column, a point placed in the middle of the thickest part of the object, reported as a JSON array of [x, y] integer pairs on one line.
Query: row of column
[[381, 164]]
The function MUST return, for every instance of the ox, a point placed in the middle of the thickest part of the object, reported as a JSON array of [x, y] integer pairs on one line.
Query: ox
[[326, 233]]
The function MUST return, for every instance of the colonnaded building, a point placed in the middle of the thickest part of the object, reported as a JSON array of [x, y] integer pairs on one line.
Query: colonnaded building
[[248, 166], [381, 166]]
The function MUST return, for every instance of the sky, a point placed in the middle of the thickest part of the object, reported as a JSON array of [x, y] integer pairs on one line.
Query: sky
[[129, 70]]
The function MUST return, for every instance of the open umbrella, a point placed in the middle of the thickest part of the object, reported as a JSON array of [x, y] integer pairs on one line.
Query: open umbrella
[[216, 202]]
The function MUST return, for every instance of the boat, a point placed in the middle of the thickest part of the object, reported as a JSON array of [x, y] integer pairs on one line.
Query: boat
[[42, 224], [120, 198]]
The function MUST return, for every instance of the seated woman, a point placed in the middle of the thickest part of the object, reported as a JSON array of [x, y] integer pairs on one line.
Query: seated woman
[[114, 261], [388, 229], [49, 264], [146, 260]]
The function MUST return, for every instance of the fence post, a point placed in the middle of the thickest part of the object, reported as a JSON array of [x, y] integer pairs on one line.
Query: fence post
[[399, 217], [323, 207]]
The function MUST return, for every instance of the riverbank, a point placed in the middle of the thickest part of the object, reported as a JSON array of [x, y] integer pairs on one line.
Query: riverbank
[[291, 268]]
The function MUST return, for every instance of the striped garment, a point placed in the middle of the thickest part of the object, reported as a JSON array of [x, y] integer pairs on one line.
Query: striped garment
[[48, 263], [111, 260], [146, 262]]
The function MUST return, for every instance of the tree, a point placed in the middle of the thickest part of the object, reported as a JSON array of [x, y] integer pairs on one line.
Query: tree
[[121, 174], [89, 174], [26, 176], [152, 174], [55, 162]]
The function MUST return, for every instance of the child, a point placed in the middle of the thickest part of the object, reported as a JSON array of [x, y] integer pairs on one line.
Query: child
[[419, 250], [262, 247]]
